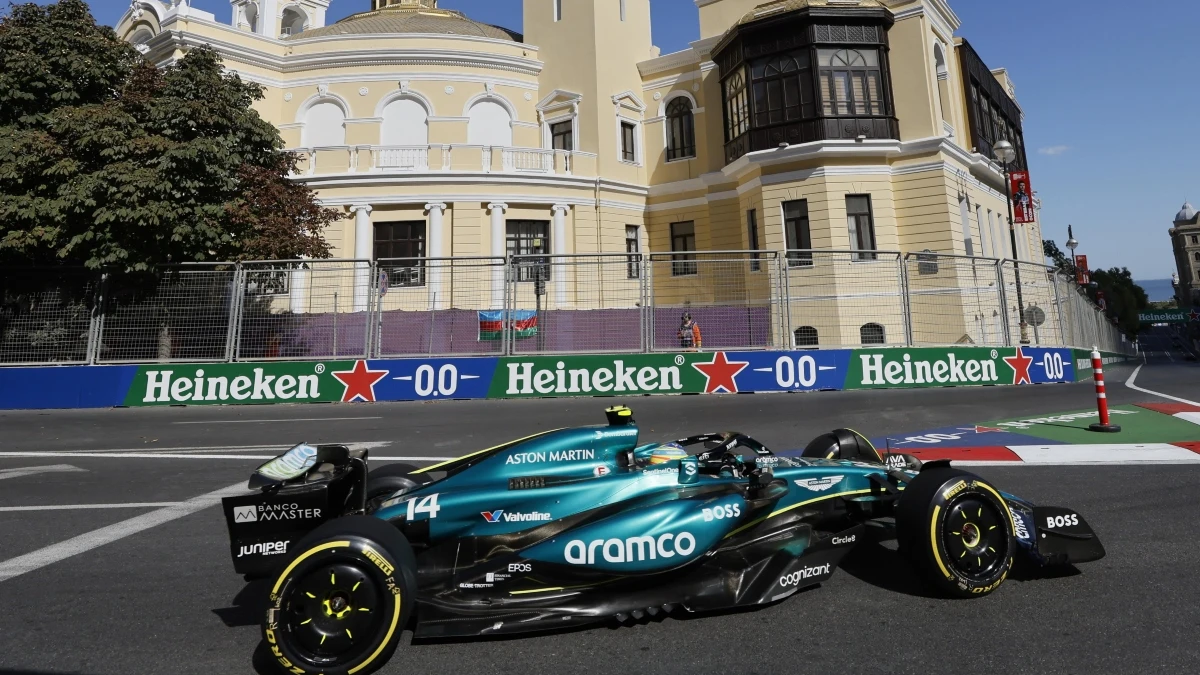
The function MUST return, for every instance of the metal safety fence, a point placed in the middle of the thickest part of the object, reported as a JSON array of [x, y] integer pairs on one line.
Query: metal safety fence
[[541, 304]]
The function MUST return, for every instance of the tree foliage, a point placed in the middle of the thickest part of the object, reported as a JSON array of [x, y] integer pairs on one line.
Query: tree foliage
[[109, 162], [1123, 298]]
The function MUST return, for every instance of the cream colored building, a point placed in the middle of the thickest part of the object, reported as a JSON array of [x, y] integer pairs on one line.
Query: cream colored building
[[1185, 244], [794, 124]]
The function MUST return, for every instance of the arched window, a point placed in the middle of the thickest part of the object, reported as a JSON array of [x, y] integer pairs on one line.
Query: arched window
[[251, 13], [324, 125], [139, 39], [681, 129], [489, 124], [405, 122], [851, 81], [1196, 256], [943, 76], [871, 334], [292, 22], [805, 336], [737, 107]]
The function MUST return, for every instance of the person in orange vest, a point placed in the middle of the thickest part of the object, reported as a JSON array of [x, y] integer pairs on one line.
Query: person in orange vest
[[689, 334]]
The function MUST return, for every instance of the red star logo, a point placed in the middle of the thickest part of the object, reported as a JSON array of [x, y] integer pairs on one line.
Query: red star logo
[[1194, 315], [359, 382], [1020, 365], [720, 373]]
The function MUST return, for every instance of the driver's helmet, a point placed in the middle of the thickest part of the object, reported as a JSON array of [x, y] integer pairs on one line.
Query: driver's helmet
[[663, 453]]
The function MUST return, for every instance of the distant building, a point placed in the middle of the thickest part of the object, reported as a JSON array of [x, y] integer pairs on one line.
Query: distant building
[[1185, 241], [791, 124]]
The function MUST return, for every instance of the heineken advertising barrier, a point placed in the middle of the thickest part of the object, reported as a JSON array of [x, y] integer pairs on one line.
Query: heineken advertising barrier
[[536, 376], [1169, 316]]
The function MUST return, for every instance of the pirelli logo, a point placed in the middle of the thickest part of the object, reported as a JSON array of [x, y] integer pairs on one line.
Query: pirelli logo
[[957, 488], [374, 557]]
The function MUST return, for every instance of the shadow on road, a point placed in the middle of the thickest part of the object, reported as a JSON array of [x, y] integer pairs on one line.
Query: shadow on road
[[884, 567], [248, 605]]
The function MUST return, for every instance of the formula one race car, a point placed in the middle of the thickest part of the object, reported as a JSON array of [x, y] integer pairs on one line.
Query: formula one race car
[[583, 525]]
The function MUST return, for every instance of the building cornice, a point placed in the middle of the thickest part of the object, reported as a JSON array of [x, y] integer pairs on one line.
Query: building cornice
[[502, 181], [382, 56]]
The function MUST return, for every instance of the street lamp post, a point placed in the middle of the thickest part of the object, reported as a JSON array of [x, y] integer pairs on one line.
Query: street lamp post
[[1071, 243], [1006, 154]]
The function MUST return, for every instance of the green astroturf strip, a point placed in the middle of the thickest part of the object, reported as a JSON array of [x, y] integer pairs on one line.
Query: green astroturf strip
[[1138, 425]]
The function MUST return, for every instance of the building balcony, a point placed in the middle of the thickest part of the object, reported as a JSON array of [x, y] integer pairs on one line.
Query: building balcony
[[442, 158]]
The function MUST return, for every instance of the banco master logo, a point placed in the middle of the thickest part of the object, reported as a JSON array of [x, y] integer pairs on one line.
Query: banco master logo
[[526, 378], [885, 369]]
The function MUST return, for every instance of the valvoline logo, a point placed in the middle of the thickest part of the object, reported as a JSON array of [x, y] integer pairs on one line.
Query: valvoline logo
[[510, 517], [493, 516]]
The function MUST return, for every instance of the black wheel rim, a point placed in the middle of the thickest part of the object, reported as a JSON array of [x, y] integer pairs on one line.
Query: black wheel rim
[[333, 613], [975, 537]]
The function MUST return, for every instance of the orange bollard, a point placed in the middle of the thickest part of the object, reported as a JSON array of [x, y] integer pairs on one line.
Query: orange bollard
[[1101, 396]]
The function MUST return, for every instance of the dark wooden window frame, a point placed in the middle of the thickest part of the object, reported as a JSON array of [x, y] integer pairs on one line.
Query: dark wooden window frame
[[683, 246], [797, 232], [562, 135], [752, 238], [402, 243], [519, 238], [991, 113], [870, 242], [628, 141], [633, 246], [681, 129], [760, 121]]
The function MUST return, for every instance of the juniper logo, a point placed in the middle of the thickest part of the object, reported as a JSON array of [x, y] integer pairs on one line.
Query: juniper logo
[[526, 378], [878, 370]]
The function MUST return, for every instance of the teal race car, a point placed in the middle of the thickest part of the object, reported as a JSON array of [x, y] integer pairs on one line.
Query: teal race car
[[585, 525]]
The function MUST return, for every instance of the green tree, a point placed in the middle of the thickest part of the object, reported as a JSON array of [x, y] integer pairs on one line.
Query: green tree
[[1123, 298], [109, 162]]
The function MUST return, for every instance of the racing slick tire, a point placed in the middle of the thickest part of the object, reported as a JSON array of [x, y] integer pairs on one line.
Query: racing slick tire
[[957, 531], [343, 599], [842, 444], [391, 478]]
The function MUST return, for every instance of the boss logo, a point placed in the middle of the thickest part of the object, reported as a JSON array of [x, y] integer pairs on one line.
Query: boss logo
[[722, 512], [520, 567], [1062, 521]]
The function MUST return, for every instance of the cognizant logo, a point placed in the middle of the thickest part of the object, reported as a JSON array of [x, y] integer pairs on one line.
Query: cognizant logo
[[799, 575], [633, 549]]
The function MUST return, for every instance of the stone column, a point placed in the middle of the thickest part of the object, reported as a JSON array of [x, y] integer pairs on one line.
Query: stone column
[[558, 246], [498, 250], [362, 251], [433, 271]]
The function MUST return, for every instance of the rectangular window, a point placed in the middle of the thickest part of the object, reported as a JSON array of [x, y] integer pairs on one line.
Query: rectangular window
[[622, 10], [400, 250], [529, 238], [795, 229], [752, 238], [562, 136], [683, 245], [1195, 239], [558, 10], [861, 225], [628, 142], [633, 246], [964, 209]]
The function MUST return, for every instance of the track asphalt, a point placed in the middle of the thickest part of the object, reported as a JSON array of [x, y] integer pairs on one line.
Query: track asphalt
[[149, 588]]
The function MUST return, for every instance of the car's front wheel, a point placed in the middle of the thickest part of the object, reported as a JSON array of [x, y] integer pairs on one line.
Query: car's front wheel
[[342, 599], [957, 530]]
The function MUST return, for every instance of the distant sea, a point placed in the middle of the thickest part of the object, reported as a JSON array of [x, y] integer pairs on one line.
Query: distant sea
[[1158, 289]]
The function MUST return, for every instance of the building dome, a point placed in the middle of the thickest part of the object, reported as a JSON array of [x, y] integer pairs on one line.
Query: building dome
[[410, 17], [1187, 213]]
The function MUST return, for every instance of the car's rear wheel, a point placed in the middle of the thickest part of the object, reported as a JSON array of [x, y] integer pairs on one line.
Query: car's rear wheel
[[342, 600], [957, 530]]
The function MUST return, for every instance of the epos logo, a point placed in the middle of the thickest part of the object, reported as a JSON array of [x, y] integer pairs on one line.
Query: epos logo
[[245, 514]]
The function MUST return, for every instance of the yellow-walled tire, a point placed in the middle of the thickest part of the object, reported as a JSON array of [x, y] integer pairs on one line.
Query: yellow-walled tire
[[342, 599], [957, 530]]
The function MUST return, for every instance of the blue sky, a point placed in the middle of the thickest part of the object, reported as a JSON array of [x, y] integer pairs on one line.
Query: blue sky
[[1111, 96]]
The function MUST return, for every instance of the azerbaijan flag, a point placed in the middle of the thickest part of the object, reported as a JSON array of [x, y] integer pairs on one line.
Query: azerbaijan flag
[[523, 322]]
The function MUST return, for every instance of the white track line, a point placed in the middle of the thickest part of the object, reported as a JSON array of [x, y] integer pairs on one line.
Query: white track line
[[219, 449], [167, 455], [298, 419], [1129, 383], [106, 535], [34, 470], [80, 507]]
